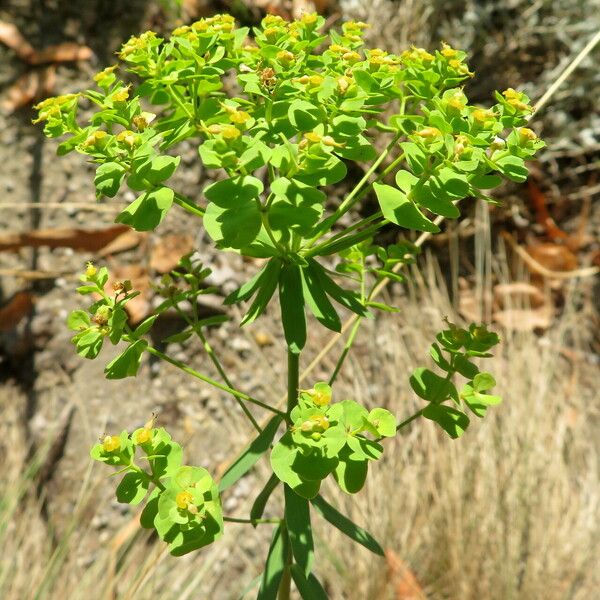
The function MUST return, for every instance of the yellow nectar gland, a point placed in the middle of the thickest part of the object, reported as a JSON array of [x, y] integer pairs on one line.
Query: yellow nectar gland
[[229, 132], [127, 137], [143, 436], [457, 100], [184, 500], [111, 443], [339, 49], [90, 270], [527, 134], [309, 18], [94, 138], [429, 132], [320, 398], [121, 95], [285, 56], [351, 57], [481, 115], [239, 117], [313, 137], [102, 75], [447, 51], [321, 421], [511, 94]]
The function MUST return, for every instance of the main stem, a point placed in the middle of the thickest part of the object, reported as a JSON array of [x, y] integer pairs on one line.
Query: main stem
[[293, 378]]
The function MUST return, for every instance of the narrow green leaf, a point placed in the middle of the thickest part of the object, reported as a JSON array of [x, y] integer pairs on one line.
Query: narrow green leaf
[[144, 327], [297, 520], [260, 502], [274, 567], [332, 289], [248, 458], [292, 307], [268, 285], [308, 586], [346, 526], [318, 302], [246, 290]]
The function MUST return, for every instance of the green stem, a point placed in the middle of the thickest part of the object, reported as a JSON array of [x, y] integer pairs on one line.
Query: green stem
[[216, 362], [345, 233], [409, 420], [293, 383], [356, 194], [220, 386], [188, 205], [344, 353], [285, 585], [293, 380]]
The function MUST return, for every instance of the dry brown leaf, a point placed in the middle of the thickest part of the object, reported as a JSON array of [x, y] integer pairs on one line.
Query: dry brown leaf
[[166, 253], [11, 37], [403, 580], [554, 257], [90, 240], [18, 307], [518, 319], [125, 241], [33, 85], [518, 292], [64, 52], [139, 307]]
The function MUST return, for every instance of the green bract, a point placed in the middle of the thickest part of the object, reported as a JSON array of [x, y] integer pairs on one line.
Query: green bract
[[279, 112], [329, 439]]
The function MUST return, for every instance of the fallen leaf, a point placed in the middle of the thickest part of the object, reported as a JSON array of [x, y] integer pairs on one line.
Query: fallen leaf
[[11, 37], [31, 86], [518, 293], [125, 241], [18, 307], [90, 240], [554, 257], [165, 254], [137, 308], [517, 319], [63, 52], [403, 580]]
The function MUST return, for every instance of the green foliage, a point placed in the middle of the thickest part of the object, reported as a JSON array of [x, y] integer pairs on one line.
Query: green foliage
[[329, 439], [184, 506], [460, 346], [279, 111]]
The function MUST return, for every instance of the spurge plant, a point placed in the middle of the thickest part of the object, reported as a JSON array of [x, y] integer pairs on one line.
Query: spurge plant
[[278, 112]]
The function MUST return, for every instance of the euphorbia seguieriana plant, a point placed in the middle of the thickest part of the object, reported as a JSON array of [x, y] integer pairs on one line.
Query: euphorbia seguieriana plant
[[278, 112]]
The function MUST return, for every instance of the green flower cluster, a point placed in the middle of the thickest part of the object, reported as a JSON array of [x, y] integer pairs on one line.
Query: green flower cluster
[[299, 104], [183, 507], [329, 439]]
